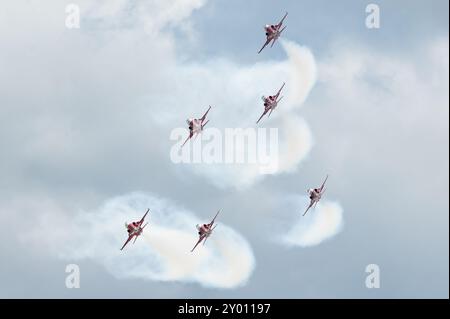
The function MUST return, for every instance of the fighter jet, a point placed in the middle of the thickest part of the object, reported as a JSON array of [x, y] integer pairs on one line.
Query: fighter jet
[[135, 229], [270, 103], [315, 194], [196, 125], [204, 231], [273, 32]]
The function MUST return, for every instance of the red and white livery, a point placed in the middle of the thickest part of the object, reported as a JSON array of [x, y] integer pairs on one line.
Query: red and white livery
[[270, 103], [196, 126], [315, 194], [273, 32], [135, 229], [204, 231]]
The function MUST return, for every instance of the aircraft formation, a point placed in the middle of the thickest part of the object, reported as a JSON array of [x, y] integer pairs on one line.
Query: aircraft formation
[[196, 126]]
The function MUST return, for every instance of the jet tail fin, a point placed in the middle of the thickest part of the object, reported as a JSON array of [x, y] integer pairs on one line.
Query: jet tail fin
[[209, 234], [273, 42], [280, 99]]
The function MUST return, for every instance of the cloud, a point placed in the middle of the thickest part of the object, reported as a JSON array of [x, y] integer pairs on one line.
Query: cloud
[[81, 126], [302, 70], [162, 253], [152, 15], [398, 105], [319, 224], [234, 91], [116, 41]]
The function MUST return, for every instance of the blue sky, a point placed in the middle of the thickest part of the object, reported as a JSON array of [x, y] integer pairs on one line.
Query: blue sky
[[85, 121]]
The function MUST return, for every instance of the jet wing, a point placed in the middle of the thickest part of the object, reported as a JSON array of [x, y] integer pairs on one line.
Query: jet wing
[[281, 22], [128, 240], [212, 222], [279, 91], [199, 241], [323, 184], [191, 133], [143, 217], [310, 205], [265, 44], [204, 116], [264, 113]]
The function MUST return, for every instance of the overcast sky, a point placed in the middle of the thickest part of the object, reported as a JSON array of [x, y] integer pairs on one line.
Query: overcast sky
[[85, 122]]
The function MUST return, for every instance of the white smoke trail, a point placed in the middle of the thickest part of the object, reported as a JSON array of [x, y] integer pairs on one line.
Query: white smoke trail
[[296, 142], [236, 97], [162, 253], [319, 224], [301, 71]]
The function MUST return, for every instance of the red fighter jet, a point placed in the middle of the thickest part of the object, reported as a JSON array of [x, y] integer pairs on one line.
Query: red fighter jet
[[273, 32], [315, 194], [135, 229], [204, 231], [270, 103], [196, 125]]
